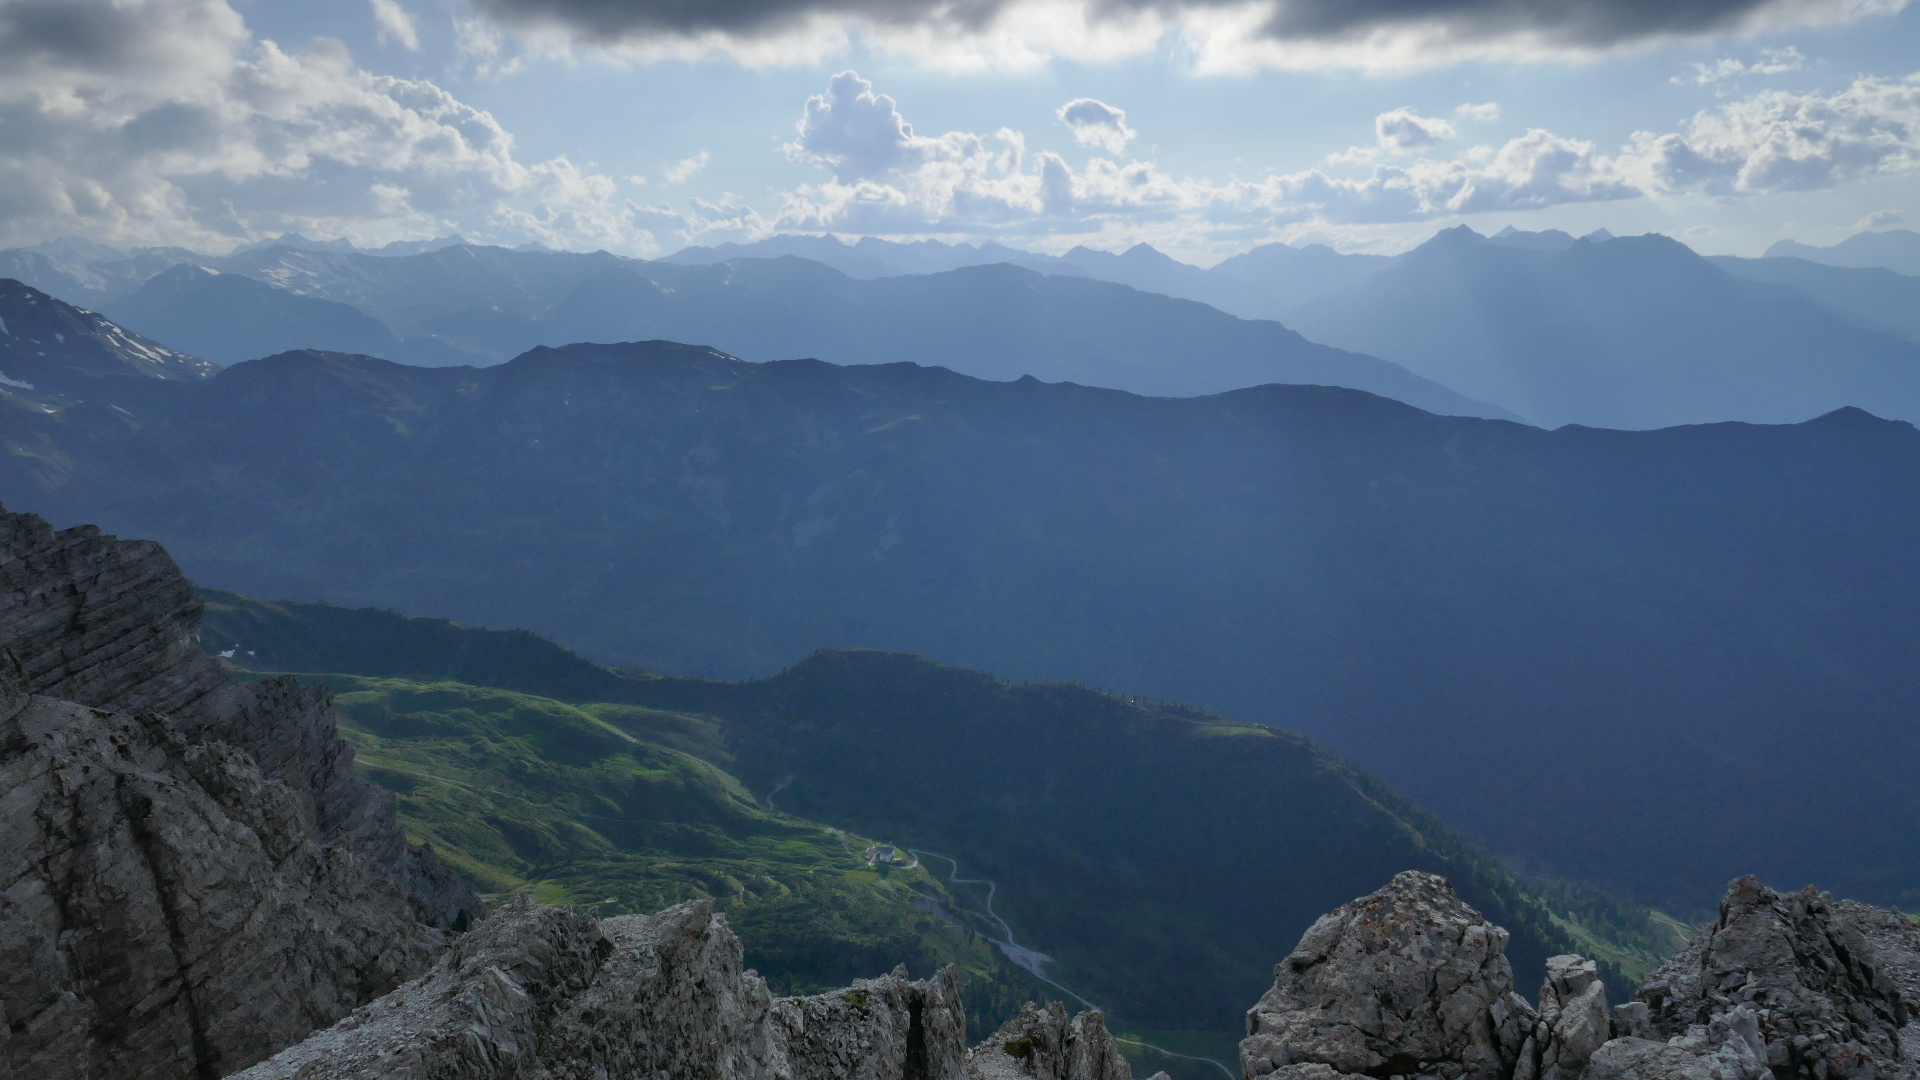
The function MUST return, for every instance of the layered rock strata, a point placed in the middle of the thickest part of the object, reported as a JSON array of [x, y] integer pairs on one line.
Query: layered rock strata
[[167, 911], [553, 994], [114, 624], [191, 874]]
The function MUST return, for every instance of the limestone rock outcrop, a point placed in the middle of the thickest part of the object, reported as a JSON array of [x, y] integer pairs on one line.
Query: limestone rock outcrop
[[169, 912], [1407, 981], [114, 624], [1411, 982], [1791, 979], [553, 994], [1043, 1044], [1573, 1022], [191, 874]]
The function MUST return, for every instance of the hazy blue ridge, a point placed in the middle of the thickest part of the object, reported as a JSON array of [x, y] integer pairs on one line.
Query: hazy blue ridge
[[1622, 632], [1632, 332]]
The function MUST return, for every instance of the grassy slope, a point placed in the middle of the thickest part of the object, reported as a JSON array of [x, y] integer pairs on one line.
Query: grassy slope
[[1166, 856], [631, 809]]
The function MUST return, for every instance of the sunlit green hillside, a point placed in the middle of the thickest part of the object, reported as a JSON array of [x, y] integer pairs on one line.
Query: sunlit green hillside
[[633, 809], [1162, 857]]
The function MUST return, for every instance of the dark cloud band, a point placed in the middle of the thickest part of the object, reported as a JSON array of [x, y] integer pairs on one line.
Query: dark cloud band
[[1571, 22]]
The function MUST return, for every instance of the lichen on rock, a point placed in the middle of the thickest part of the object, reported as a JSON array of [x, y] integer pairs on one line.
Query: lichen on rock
[[1407, 981]]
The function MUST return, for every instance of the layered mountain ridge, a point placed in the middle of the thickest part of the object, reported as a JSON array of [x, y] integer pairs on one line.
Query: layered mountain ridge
[[1632, 332], [1385, 580]]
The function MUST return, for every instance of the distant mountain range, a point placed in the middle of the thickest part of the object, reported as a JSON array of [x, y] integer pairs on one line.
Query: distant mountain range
[[1635, 332], [1263, 283], [995, 322], [227, 318], [1872, 296], [1598, 651], [52, 354], [1894, 249], [1630, 332]]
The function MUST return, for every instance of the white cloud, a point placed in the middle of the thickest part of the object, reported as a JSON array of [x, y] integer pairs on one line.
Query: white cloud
[[168, 123], [394, 25], [1772, 62], [686, 168], [1095, 123], [1404, 130], [1486, 112], [1781, 141], [1879, 219], [861, 135], [888, 180], [1537, 169]]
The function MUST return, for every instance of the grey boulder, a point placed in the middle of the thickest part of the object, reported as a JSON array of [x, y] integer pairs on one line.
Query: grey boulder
[[1793, 976], [1407, 981]]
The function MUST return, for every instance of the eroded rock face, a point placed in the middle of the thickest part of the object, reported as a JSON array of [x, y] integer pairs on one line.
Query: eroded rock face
[[1788, 986], [191, 874], [1408, 981], [1792, 975], [552, 994], [166, 910], [1042, 1044], [877, 1029], [114, 624], [1573, 1022]]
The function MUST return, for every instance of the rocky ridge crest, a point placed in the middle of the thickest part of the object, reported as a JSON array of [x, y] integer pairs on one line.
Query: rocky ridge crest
[[554, 994], [1412, 982]]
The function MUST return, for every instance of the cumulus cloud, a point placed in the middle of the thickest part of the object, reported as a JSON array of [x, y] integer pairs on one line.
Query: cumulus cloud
[[1219, 34], [1095, 123], [888, 179], [393, 24], [1772, 62], [686, 168], [1403, 130], [1879, 219], [164, 121], [1781, 141], [860, 135], [1485, 113]]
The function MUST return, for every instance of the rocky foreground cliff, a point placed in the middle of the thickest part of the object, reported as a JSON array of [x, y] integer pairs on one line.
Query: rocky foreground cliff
[[191, 874], [554, 994], [193, 878], [1412, 982]]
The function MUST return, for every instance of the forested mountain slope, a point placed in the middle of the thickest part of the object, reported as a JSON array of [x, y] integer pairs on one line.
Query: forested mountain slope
[[1160, 854], [1683, 620]]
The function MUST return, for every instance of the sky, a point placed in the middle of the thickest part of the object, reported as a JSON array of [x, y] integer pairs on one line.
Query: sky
[[1203, 127]]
